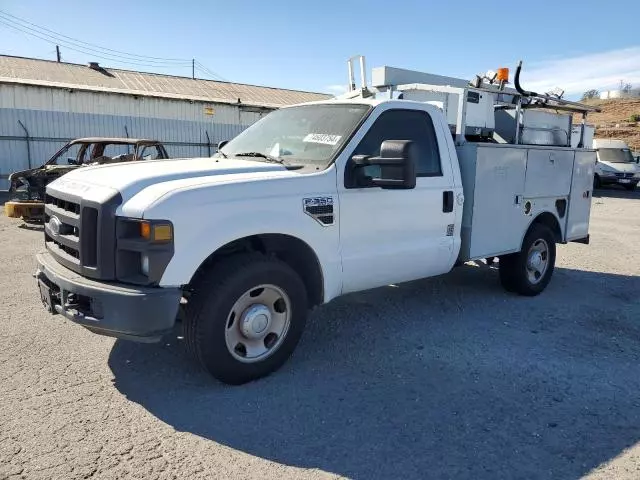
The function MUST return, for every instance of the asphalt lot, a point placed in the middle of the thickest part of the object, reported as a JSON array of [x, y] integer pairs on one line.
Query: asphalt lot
[[441, 378]]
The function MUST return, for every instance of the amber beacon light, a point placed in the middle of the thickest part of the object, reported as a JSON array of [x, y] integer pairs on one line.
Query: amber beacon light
[[503, 75]]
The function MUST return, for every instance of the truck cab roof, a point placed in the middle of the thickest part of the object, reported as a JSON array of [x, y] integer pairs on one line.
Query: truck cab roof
[[373, 102]]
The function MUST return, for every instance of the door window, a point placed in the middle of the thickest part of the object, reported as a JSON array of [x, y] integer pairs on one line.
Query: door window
[[116, 151], [151, 152], [413, 125]]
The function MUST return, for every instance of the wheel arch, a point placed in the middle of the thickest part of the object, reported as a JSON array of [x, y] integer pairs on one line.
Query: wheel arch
[[290, 249], [549, 220]]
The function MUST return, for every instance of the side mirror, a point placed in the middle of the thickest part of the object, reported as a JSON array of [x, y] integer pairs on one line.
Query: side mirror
[[72, 161], [222, 144], [397, 163]]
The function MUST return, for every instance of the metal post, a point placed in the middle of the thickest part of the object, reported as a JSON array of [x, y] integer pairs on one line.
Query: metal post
[[193, 68], [461, 121], [363, 72], [352, 82], [208, 142], [58, 53], [516, 138], [27, 139], [582, 128], [126, 132]]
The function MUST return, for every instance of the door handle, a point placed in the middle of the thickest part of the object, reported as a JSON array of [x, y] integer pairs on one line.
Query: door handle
[[447, 201]]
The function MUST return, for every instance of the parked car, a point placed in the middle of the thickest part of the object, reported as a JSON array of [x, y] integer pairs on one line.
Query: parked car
[[616, 165], [27, 187]]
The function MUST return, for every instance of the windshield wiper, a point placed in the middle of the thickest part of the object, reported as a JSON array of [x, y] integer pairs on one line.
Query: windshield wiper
[[260, 155]]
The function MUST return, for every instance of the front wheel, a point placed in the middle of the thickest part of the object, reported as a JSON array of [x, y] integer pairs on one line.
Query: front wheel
[[529, 271], [630, 186], [245, 317]]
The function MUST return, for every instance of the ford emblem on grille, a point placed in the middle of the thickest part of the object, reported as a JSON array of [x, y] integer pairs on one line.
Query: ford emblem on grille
[[54, 226]]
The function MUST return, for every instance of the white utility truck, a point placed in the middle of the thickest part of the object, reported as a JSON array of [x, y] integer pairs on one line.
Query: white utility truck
[[387, 184], [616, 164]]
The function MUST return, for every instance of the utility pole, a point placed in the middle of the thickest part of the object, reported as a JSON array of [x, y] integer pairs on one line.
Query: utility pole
[[193, 68], [58, 53]]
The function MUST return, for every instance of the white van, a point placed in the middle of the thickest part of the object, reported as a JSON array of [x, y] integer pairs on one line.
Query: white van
[[615, 165]]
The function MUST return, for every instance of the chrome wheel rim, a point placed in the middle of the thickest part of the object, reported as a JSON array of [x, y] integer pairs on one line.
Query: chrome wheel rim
[[258, 323], [537, 261]]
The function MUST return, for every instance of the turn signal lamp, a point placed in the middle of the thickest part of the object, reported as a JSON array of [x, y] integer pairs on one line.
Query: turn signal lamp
[[158, 232], [145, 230]]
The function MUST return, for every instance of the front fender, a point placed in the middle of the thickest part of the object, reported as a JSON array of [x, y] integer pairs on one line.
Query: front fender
[[196, 239]]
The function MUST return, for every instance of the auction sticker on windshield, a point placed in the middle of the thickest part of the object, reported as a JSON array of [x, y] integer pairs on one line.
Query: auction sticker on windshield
[[323, 138]]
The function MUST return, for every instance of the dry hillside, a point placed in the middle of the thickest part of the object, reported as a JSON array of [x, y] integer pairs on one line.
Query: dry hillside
[[615, 120]]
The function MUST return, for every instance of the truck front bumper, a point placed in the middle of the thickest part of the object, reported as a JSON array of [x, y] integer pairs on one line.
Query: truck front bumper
[[612, 179], [119, 310]]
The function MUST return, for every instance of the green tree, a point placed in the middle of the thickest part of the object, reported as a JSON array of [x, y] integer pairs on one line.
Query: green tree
[[590, 94]]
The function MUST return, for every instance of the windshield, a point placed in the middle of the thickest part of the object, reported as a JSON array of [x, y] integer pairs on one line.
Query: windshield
[[85, 153], [299, 135], [63, 156], [615, 155]]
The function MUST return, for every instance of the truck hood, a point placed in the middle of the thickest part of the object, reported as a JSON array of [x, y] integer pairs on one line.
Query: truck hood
[[622, 167], [129, 179]]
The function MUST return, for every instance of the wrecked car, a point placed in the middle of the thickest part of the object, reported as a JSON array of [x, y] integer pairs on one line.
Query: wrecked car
[[27, 187]]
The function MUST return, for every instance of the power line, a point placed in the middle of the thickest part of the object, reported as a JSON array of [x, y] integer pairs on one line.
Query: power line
[[94, 53], [211, 73], [87, 44], [97, 51], [88, 50]]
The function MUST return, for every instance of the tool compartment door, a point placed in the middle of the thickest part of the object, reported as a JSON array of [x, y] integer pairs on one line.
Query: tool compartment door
[[549, 173], [581, 194], [497, 212]]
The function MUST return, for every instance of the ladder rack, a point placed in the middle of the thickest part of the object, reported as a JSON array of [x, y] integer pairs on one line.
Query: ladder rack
[[470, 107]]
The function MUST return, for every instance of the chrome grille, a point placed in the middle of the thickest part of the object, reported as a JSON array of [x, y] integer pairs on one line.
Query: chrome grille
[[80, 233], [61, 204], [64, 220], [62, 229]]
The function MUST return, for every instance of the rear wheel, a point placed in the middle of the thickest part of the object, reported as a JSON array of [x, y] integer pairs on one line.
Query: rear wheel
[[245, 317], [596, 182], [529, 271]]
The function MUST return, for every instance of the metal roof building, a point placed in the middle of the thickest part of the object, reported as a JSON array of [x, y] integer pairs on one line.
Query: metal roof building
[[44, 103]]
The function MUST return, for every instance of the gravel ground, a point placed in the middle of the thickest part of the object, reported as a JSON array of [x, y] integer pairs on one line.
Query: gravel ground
[[442, 378]]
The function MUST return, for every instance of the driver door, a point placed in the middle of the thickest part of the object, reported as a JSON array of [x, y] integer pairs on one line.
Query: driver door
[[390, 235]]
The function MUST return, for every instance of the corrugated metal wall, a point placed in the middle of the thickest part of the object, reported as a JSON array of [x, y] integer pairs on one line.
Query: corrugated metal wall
[[53, 116]]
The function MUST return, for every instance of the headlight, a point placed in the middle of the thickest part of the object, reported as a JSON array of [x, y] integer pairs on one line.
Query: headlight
[[18, 184], [144, 249]]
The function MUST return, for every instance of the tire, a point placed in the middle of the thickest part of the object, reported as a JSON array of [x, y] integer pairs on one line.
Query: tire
[[630, 187], [596, 182], [506, 270], [518, 275], [227, 303]]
